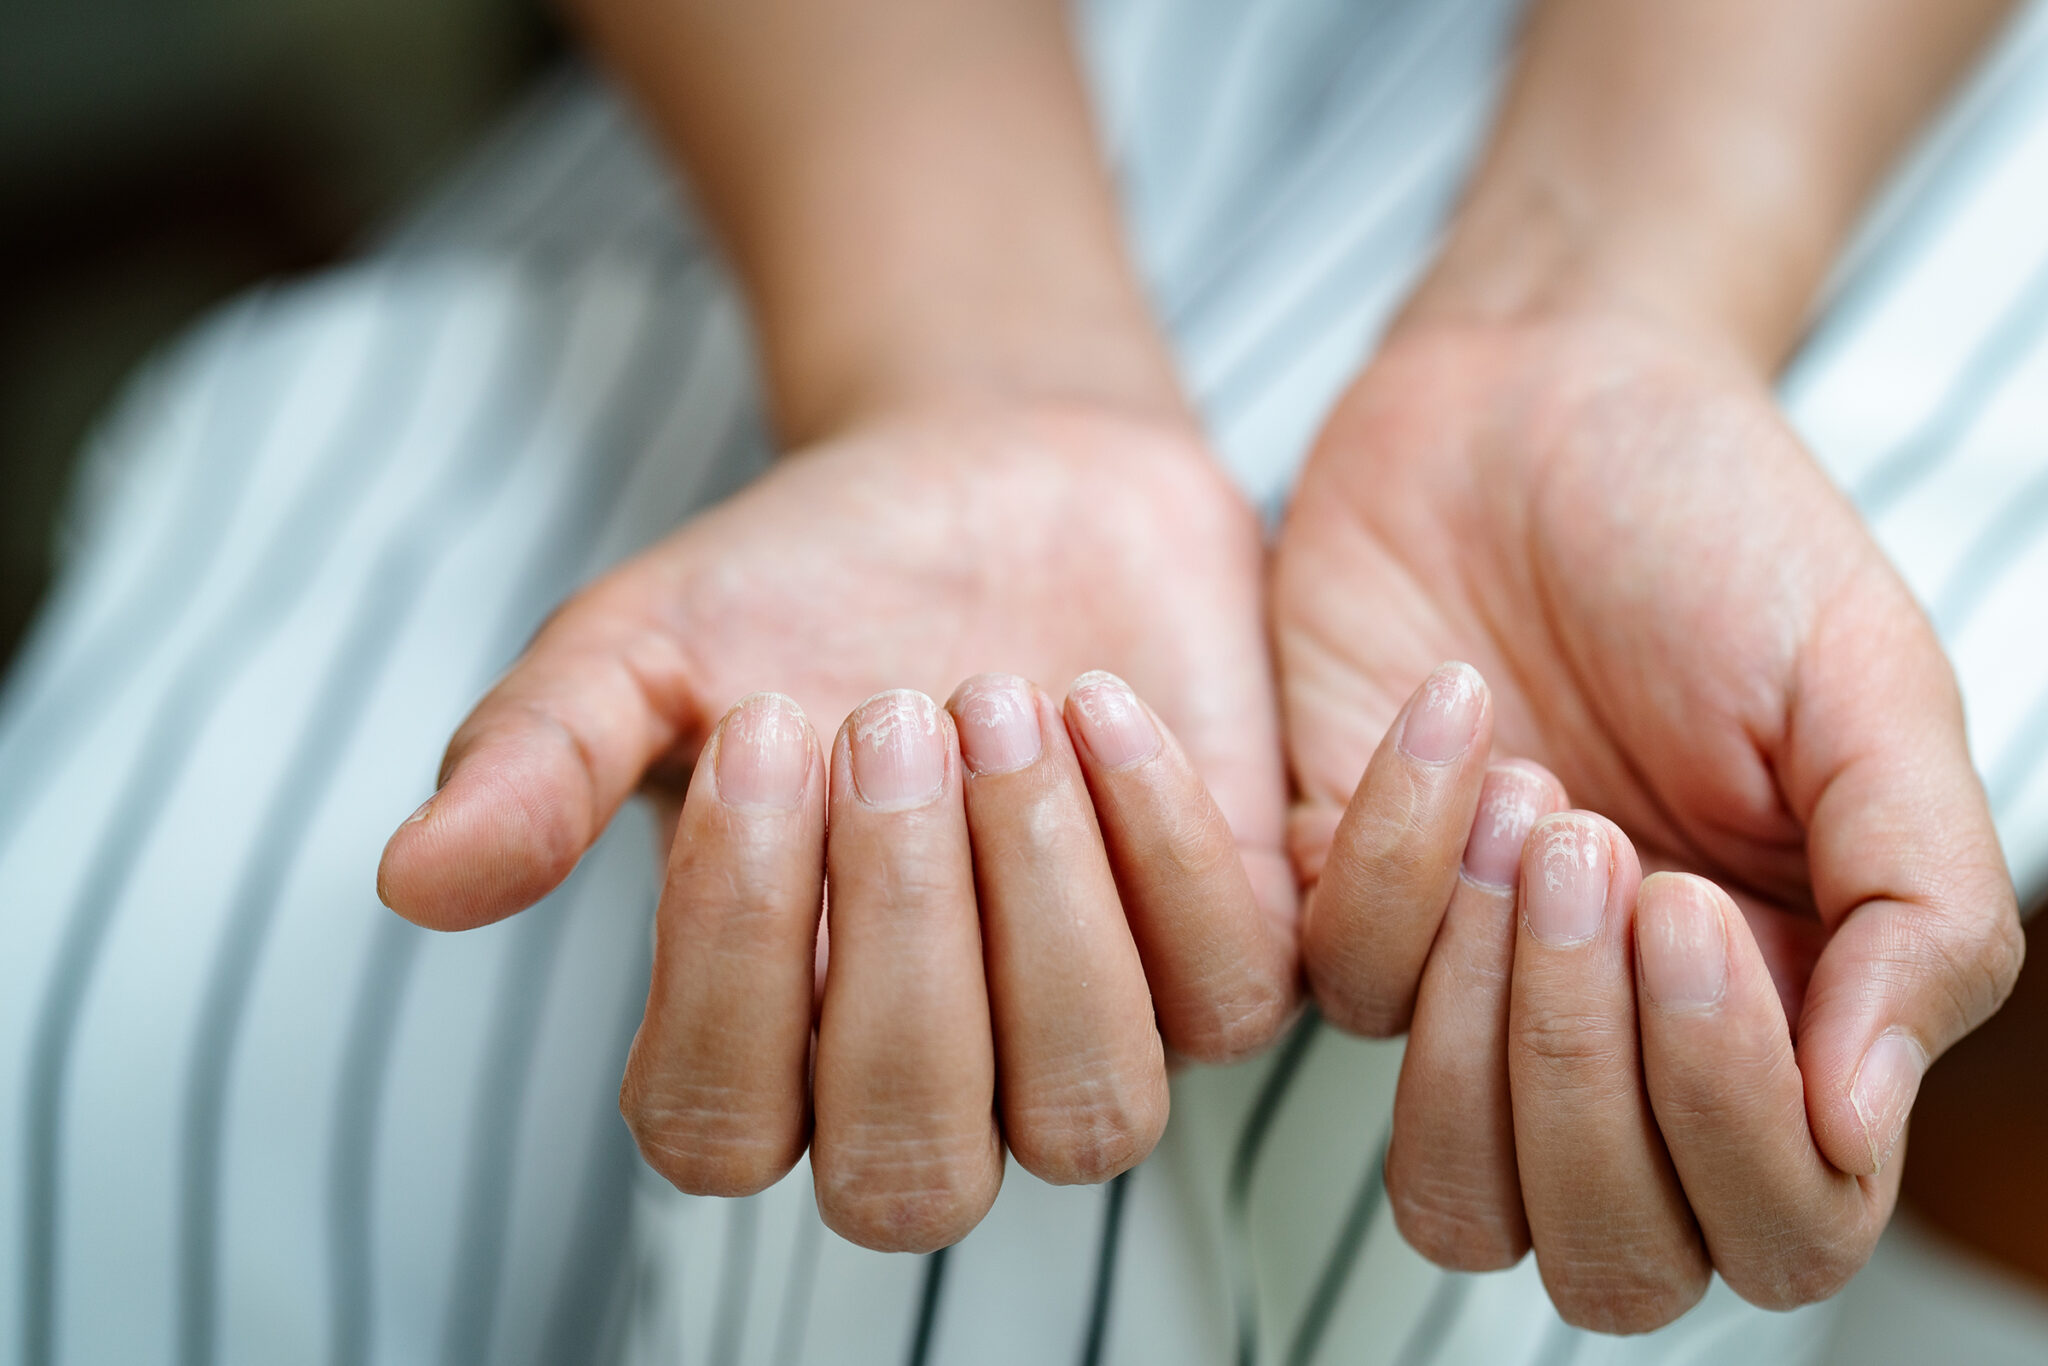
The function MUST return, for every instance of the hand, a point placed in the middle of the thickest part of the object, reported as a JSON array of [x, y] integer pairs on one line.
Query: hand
[[913, 550], [1690, 628]]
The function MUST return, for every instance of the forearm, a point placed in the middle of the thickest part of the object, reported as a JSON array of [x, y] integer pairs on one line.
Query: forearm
[[1699, 161], [910, 191]]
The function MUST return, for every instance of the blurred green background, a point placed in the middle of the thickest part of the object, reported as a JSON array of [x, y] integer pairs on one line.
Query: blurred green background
[[159, 155]]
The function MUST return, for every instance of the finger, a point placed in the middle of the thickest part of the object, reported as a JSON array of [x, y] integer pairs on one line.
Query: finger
[[1394, 859], [717, 1088], [1081, 1074], [1614, 1239], [1221, 971], [1784, 1227], [1906, 870], [905, 1157], [537, 771], [1451, 1176]]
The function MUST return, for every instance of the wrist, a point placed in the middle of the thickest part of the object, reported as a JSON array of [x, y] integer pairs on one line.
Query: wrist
[[1534, 245], [837, 363], [1693, 162]]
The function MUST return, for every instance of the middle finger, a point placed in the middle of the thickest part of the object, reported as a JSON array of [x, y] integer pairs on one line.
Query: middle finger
[[905, 1156], [1615, 1240]]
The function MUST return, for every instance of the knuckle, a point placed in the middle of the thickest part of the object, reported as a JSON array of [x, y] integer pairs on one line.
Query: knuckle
[[1234, 1028], [1089, 1137], [709, 1140], [1800, 1266], [1627, 1299], [2001, 954], [1356, 1001], [1571, 1048], [1815, 1274], [1452, 1222], [902, 1201], [894, 1193]]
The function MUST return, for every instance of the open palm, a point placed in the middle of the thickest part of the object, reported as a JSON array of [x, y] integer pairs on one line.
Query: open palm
[[1682, 619]]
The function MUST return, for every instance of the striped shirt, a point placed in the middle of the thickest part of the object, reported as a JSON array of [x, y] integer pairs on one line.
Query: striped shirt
[[249, 1116]]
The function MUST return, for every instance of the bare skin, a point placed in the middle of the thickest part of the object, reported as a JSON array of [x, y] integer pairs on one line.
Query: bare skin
[[1564, 467]]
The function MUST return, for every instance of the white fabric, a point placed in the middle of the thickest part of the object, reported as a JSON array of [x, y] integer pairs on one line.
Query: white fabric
[[246, 1115]]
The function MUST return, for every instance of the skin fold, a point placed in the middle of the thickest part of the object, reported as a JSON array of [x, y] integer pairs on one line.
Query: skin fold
[[1563, 468]]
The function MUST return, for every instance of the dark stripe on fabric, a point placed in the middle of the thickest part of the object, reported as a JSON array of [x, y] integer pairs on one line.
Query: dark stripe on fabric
[[496, 1115], [636, 416], [172, 731], [555, 220], [928, 1296], [404, 561], [1425, 1341], [588, 1304], [378, 413], [2021, 522], [386, 973], [802, 1282], [1299, 138], [1440, 24], [1336, 1273], [1244, 1166], [504, 408], [235, 416], [735, 1282], [507, 153], [1967, 155], [1990, 367], [564, 544], [1561, 1344], [1097, 1333], [1373, 257]]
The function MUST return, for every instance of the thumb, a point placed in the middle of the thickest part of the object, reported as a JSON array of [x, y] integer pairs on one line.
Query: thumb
[[1907, 874], [539, 768]]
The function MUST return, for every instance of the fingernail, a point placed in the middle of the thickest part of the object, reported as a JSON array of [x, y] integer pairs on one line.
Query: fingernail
[[419, 813], [1681, 943], [898, 749], [1445, 715], [1509, 802], [1116, 728], [1566, 900], [764, 753], [998, 720], [1883, 1091]]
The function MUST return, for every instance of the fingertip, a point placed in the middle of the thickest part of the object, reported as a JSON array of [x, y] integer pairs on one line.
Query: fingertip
[[478, 851]]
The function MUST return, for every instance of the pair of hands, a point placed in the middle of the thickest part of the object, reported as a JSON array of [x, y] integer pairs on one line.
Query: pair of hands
[[1684, 628]]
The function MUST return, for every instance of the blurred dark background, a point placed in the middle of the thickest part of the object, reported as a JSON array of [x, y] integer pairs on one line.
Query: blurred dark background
[[157, 156]]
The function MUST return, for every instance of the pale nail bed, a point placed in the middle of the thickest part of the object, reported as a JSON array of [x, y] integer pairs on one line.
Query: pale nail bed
[[1113, 722], [1445, 717], [764, 753], [898, 749], [998, 722], [1565, 897]]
